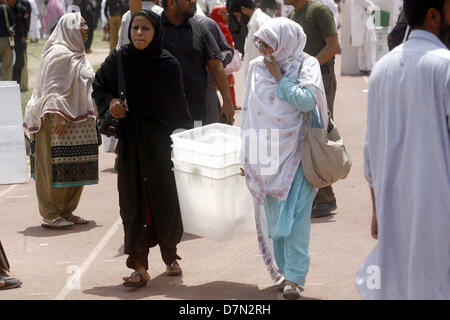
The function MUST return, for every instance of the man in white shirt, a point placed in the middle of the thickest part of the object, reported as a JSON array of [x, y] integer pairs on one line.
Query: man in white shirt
[[407, 162], [123, 32], [246, 12], [363, 34]]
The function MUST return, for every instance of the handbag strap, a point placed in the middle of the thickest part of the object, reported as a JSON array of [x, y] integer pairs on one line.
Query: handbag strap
[[306, 115], [6, 18], [301, 64], [121, 77]]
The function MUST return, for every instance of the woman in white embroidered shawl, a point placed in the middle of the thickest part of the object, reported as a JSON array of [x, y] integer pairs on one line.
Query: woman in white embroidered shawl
[[281, 87], [60, 117]]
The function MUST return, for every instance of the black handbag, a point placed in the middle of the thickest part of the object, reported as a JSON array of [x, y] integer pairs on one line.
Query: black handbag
[[110, 126]]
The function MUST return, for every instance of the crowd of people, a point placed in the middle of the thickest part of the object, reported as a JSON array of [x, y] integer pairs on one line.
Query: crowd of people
[[180, 57], [28, 21]]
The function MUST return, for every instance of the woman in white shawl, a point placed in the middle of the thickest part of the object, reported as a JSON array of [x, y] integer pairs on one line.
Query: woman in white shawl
[[281, 88], [60, 117]]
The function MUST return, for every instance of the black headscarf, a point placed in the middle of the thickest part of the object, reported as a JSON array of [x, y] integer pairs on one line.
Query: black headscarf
[[154, 83], [155, 47]]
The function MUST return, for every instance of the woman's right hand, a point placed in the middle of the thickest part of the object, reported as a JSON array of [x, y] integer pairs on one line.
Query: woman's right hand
[[117, 110]]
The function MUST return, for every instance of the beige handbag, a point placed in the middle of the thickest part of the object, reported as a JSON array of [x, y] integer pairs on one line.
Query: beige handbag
[[324, 158]]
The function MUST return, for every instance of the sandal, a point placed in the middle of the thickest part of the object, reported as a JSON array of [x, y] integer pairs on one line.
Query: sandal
[[173, 269], [10, 283], [291, 291], [75, 219], [57, 223], [280, 287], [134, 284]]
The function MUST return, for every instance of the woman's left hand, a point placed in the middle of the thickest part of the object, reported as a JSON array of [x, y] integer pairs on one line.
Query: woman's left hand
[[60, 125], [273, 68]]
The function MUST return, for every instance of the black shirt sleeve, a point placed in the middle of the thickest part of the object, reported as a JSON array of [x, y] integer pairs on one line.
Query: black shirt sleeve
[[106, 83], [212, 51]]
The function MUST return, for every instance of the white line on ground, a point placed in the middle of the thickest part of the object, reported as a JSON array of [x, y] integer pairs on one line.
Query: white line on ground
[[314, 284], [114, 260], [65, 291], [40, 294], [8, 190], [367, 79], [16, 197]]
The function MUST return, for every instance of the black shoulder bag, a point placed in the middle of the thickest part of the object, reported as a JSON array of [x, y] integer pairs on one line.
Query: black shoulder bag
[[109, 126]]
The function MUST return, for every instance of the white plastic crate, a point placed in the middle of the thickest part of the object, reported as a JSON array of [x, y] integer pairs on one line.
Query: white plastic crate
[[216, 145], [13, 159], [217, 208]]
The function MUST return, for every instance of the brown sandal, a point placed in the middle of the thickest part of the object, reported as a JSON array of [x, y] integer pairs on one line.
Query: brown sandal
[[291, 291], [75, 219], [58, 223], [173, 269]]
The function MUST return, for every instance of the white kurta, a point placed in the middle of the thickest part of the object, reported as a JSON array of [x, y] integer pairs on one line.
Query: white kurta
[[250, 52], [363, 33], [398, 7], [35, 24], [407, 163]]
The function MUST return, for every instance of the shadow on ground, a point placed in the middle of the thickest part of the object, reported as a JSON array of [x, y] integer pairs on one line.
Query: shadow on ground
[[327, 219], [40, 232], [110, 170], [165, 287]]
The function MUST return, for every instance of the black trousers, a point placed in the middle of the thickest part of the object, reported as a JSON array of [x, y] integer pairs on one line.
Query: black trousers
[[326, 194], [20, 49], [150, 239], [88, 43], [4, 264]]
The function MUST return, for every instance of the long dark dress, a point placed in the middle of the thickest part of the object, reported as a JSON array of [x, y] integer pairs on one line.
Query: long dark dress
[[157, 106]]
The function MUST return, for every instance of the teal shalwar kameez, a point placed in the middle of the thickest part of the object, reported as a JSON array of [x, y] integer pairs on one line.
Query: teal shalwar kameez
[[289, 221]]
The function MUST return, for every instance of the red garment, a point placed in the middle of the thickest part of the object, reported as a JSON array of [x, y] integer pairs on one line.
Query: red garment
[[230, 79], [217, 15]]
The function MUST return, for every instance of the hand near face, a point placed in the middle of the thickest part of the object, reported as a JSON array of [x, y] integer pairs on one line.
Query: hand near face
[[273, 68]]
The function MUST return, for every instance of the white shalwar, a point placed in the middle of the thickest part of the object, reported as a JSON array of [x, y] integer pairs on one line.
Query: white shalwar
[[407, 163], [363, 33], [35, 23], [250, 52]]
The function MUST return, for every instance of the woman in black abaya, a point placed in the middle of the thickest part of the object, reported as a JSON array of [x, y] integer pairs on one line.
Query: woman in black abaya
[[156, 107]]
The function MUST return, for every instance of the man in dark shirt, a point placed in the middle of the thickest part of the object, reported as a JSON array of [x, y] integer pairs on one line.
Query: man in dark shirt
[[398, 33], [212, 100], [196, 50], [238, 30], [317, 21], [21, 10], [6, 52]]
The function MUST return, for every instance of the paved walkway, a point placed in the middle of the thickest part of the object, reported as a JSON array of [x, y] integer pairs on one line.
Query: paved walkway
[[46, 260]]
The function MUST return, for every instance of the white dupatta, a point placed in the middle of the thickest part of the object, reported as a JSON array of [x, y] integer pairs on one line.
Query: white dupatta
[[272, 128], [263, 110], [64, 82]]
